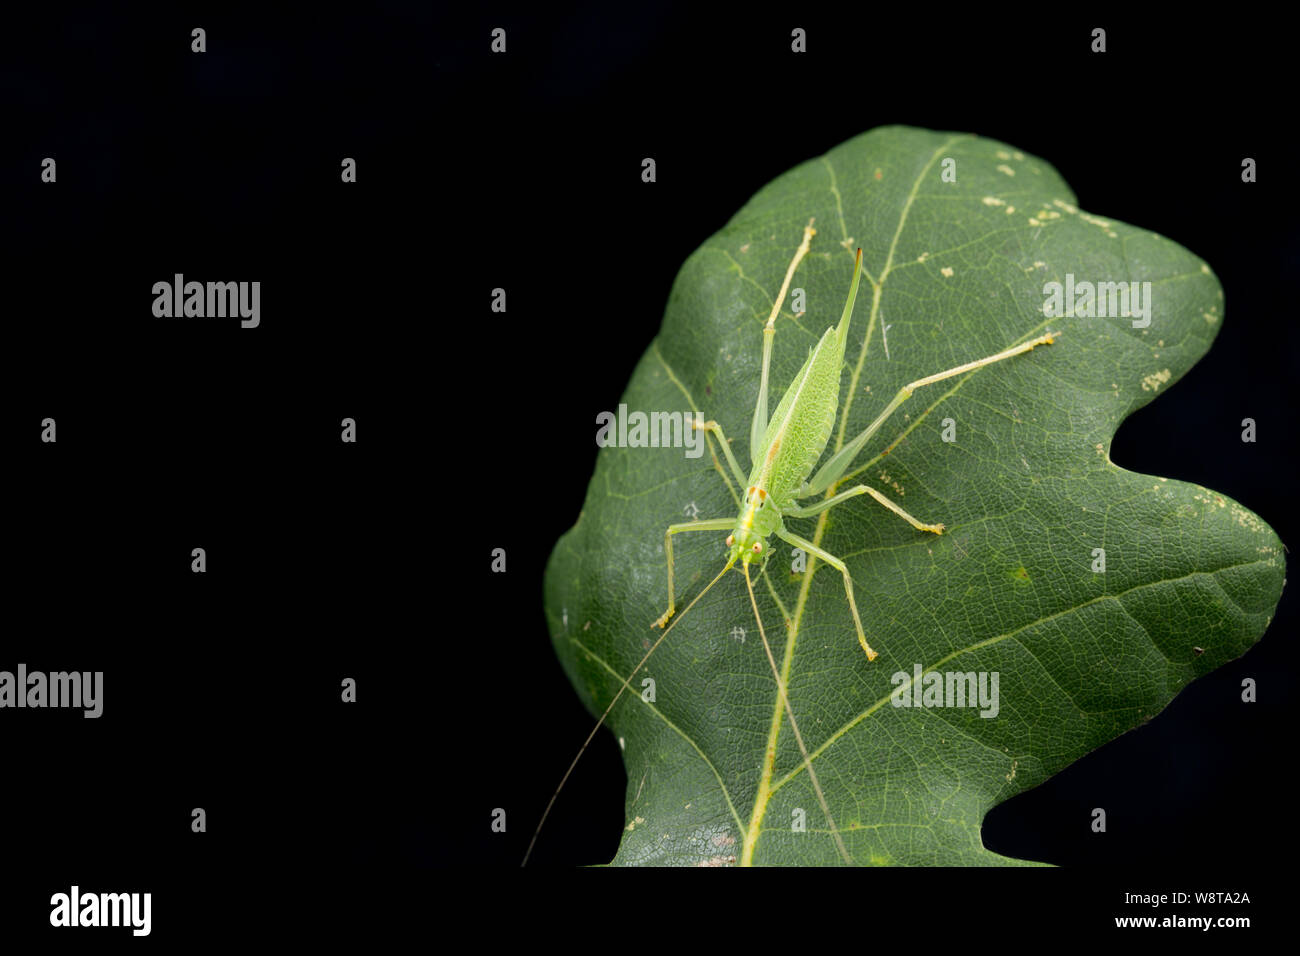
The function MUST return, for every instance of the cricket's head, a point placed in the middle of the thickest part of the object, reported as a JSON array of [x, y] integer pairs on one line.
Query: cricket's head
[[747, 545], [758, 520]]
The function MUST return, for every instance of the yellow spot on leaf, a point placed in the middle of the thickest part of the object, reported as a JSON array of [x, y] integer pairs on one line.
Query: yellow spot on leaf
[[884, 477], [1152, 382], [1248, 520]]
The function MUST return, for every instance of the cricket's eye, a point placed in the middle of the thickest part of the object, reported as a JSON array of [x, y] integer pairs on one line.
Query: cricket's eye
[[757, 547], [731, 539]]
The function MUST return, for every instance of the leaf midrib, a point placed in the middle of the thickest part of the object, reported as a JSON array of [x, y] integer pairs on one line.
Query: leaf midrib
[[764, 794]]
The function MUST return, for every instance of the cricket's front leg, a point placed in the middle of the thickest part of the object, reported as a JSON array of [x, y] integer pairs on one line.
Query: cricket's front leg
[[712, 524]]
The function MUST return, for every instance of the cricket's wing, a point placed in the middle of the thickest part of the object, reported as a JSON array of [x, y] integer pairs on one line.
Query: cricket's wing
[[798, 431]]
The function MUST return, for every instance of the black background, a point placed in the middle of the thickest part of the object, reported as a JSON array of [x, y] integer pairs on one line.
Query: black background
[[371, 560]]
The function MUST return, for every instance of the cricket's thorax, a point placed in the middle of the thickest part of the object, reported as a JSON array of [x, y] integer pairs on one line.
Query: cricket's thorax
[[759, 519]]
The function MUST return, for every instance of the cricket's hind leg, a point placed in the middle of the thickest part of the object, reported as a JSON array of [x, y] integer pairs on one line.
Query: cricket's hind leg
[[716, 430], [833, 470], [807, 511], [758, 424]]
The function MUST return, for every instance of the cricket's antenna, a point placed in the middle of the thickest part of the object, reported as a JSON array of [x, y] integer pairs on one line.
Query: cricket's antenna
[[655, 646], [789, 712]]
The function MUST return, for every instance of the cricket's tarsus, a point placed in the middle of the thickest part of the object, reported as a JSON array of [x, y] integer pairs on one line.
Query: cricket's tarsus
[[781, 450]]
